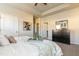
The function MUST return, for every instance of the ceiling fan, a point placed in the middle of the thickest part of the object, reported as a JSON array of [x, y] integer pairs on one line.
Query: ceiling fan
[[42, 3]]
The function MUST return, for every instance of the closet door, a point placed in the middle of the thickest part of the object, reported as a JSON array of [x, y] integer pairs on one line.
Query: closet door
[[9, 24], [45, 29]]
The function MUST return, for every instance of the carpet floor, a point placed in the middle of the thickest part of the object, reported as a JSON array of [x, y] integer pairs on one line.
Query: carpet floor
[[69, 50]]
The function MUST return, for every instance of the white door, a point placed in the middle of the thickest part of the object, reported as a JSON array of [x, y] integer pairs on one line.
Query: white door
[[45, 30]]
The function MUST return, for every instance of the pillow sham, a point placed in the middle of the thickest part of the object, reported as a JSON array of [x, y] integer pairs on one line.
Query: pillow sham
[[22, 38], [3, 41]]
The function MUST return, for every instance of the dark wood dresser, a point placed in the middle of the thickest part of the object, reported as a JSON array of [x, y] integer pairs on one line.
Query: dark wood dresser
[[62, 36]]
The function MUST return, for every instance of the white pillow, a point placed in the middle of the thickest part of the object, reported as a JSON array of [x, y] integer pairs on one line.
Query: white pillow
[[3, 40], [22, 38]]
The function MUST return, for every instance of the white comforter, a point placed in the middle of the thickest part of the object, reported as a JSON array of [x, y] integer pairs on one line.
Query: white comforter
[[31, 48]]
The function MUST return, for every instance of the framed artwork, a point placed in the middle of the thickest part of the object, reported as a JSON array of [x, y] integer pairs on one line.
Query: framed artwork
[[62, 24], [26, 25]]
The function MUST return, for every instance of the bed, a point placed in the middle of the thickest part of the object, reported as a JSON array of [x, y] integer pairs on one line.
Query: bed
[[26, 47]]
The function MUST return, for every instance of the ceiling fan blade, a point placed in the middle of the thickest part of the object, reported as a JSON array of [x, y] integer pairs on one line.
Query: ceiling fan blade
[[36, 4], [45, 3], [42, 3]]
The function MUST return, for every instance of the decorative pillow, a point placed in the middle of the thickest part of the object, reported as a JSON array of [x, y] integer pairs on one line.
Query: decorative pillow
[[11, 39], [22, 38], [3, 41]]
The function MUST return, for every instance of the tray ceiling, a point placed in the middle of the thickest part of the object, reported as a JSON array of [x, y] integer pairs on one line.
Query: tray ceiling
[[36, 10]]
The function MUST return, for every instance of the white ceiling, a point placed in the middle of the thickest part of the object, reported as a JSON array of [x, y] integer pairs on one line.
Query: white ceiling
[[29, 7], [40, 8]]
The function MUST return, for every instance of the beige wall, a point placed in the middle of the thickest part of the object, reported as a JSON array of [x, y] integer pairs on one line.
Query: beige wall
[[73, 23], [9, 14]]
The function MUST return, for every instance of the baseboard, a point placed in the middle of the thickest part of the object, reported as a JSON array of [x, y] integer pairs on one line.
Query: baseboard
[[74, 43]]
